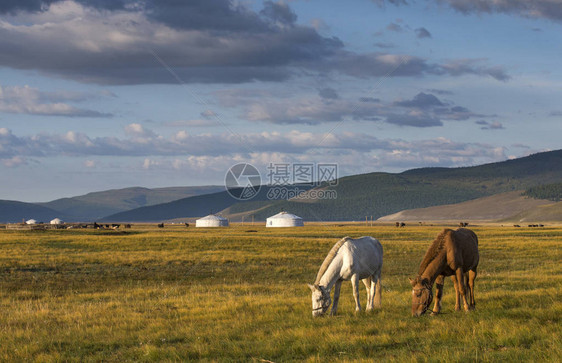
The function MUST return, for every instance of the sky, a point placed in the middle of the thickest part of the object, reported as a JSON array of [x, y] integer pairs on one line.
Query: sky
[[105, 94]]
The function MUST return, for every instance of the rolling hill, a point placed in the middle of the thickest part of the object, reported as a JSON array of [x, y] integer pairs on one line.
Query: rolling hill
[[375, 194], [380, 194], [196, 206], [15, 212], [542, 213], [93, 206], [501, 206]]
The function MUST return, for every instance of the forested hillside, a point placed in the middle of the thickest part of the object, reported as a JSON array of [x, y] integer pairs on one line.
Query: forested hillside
[[549, 191]]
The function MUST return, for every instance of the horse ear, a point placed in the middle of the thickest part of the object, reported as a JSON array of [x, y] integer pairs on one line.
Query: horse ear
[[312, 287], [412, 281]]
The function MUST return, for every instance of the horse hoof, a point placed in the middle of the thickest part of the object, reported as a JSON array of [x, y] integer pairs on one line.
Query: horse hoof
[[433, 313]]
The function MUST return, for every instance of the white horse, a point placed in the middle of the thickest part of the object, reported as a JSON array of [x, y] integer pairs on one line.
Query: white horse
[[349, 259]]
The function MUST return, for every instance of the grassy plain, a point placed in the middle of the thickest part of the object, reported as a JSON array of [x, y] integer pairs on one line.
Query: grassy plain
[[240, 294]]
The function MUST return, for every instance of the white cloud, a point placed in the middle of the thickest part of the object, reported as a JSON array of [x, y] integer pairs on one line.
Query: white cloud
[[134, 129], [28, 100], [185, 150], [547, 9], [423, 110], [14, 161], [149, 164], [495, 125], [138, 133], [193, 123]]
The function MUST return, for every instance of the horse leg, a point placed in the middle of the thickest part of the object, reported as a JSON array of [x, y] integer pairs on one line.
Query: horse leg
[[337, 287], [377, 286], [471, 277], [467, 290], [367, 282], [457, 293], [439, 282], [462, 287], [355, 285]]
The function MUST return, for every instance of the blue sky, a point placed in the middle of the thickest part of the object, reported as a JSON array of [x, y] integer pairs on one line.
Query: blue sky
[[99, 94]]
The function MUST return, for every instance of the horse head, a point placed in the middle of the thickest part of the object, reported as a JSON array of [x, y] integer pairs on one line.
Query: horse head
[[422, 295], [320, 300]]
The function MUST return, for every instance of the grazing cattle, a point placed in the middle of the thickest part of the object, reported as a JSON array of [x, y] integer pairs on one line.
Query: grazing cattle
[[541, 225], [452, 253], [402, 224], [516, 225], [127, 225], [397, 224], [115, 226], [160, 225], [463, 224], [187, 225], [349, 259]]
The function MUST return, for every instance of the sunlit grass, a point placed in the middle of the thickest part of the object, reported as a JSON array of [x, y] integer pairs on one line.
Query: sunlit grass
[[231, 294]]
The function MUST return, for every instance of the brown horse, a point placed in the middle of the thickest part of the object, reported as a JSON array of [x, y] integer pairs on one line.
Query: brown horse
[[455, 254]]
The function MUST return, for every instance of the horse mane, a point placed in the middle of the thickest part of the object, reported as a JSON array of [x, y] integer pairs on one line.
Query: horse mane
[[329, 258], [434, 249]]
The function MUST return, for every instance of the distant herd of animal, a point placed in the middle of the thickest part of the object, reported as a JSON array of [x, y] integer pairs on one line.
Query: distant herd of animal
[[461, 224], [96, 225], [453, 253]]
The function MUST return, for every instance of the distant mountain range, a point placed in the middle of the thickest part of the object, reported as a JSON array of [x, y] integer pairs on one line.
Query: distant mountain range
[[96, 205], [357, 197], [12, 211], [93, 206], [374, 194]]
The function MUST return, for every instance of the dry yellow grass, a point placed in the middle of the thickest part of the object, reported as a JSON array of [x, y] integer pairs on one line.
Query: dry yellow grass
[[234, 295]]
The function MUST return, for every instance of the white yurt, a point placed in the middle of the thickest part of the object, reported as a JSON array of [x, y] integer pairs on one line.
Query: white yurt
[[57, 221], [31, 221], [284, 219], [212, 220]]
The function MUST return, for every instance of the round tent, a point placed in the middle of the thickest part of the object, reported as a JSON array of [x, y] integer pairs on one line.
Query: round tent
[[57, 221], [284, 219], [212, 220], [31, 221]]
